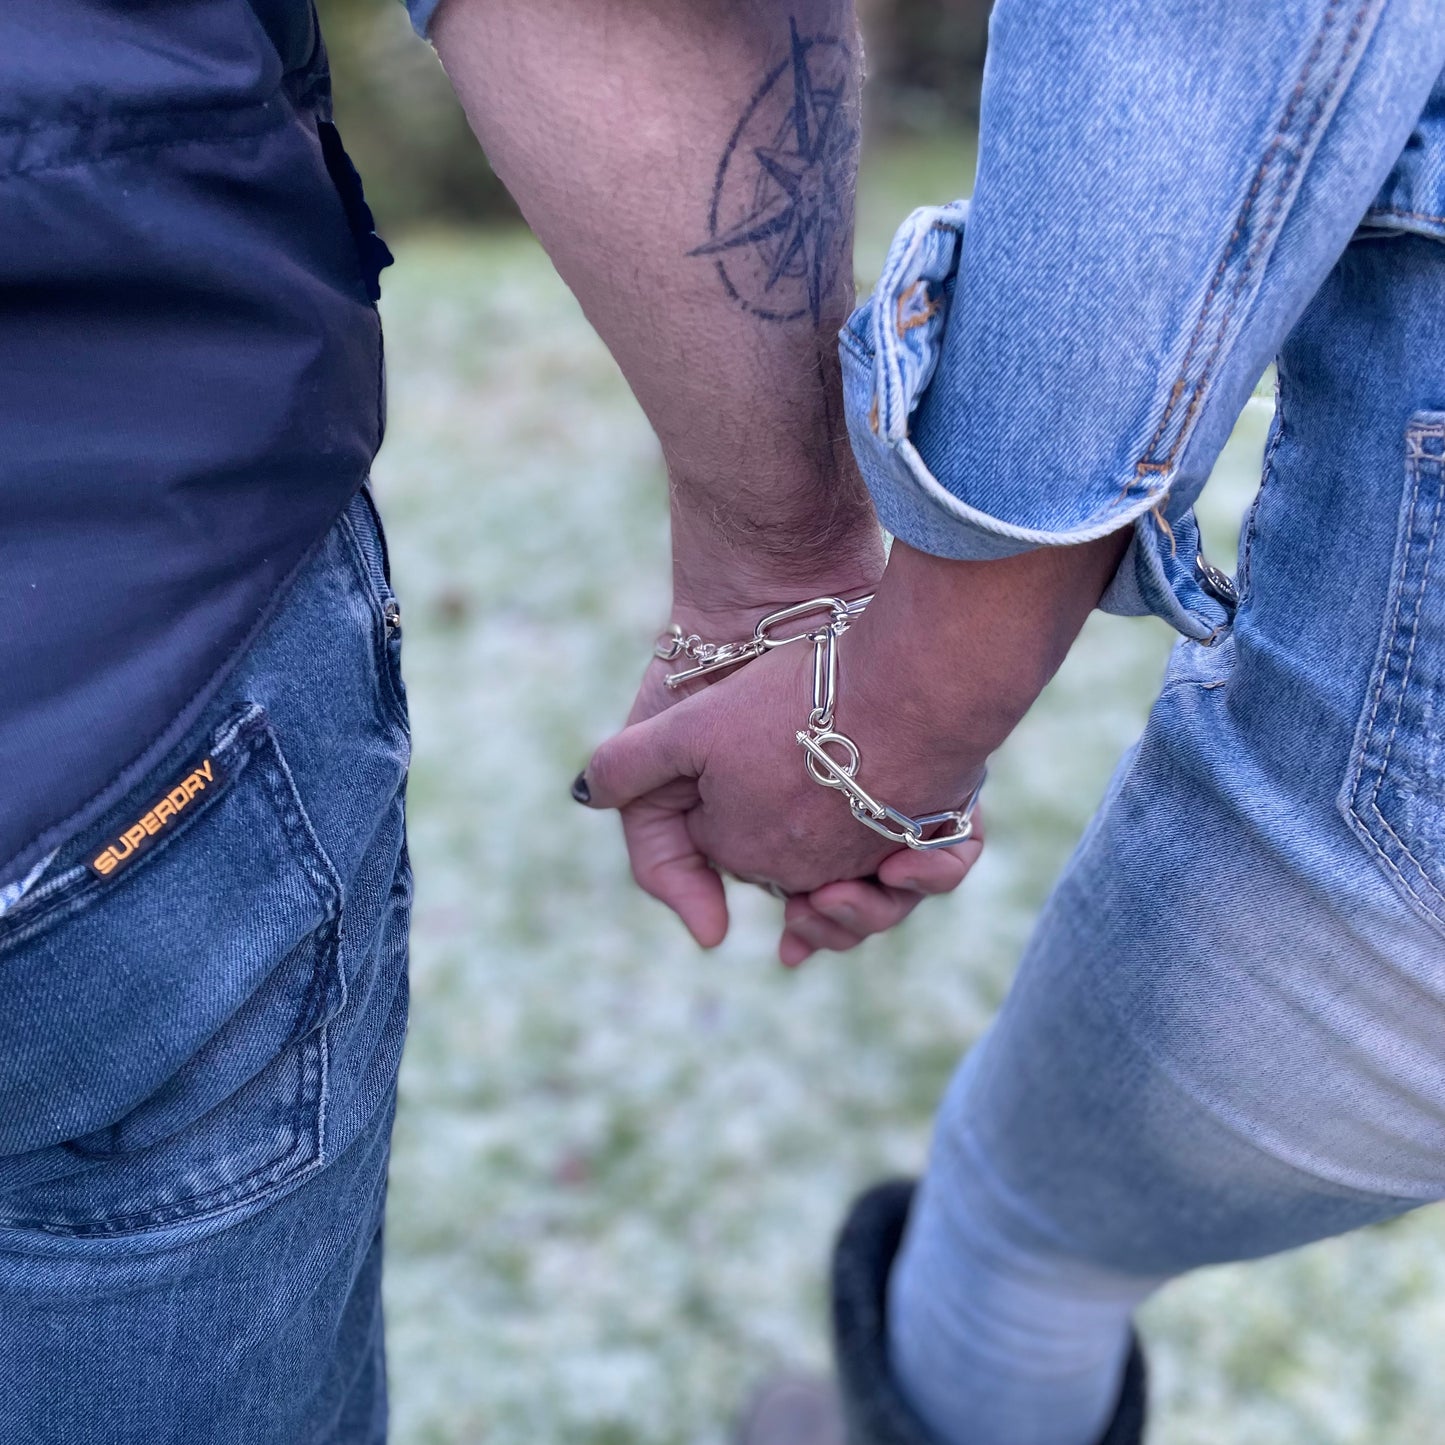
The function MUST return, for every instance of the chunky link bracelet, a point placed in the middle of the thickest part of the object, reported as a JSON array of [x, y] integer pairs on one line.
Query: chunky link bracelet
[[837, 769]]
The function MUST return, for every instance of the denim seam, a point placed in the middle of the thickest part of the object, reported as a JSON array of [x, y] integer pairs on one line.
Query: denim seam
[[1267, 234], [322, 871], [939, 497], [392, 707], [1400, 583], [286, 799], [846, 337], [1405, 215], [1246, 567], [888, 353], [1359, 793], [328, 882], [282, 1170]]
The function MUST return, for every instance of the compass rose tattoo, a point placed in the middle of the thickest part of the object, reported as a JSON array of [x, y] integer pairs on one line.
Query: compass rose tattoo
[[781, 213]]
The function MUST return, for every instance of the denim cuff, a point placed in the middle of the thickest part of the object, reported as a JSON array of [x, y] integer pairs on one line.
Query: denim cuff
[[1413, 197], [890, 348], [421, 12], [1164, 574]]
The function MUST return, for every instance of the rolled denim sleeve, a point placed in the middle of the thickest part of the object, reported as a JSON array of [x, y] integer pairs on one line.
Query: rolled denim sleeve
[[1161, 188], [421, 12]]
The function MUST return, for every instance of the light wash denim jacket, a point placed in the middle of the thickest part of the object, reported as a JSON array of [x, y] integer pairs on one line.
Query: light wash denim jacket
[[1162, 186]]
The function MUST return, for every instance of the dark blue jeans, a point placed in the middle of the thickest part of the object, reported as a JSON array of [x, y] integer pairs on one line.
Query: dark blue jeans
[[204, 1005]]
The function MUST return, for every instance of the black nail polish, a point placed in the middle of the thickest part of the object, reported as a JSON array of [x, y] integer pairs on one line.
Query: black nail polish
[[580, 790]]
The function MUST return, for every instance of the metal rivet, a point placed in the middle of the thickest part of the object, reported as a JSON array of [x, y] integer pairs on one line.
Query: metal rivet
[[1216, 582]]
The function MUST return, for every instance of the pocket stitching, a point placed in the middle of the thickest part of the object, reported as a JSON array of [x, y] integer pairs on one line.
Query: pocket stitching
[[289, 1167], [1364, 795]]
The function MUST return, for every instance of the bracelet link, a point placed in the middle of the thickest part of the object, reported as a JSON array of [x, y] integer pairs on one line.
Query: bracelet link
[[893, 825], [957, 824]]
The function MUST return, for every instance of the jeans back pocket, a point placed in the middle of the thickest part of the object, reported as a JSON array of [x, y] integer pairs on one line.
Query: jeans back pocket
[[163, 1049], [1394, 796]]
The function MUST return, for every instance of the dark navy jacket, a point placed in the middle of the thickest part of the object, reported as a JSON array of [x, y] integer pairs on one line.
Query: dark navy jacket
[[190, 372]]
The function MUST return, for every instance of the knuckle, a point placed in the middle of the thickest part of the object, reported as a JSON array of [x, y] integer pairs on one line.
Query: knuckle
[[649, 880]]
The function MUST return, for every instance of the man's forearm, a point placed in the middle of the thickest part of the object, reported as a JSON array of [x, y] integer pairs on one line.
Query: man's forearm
[[690, 168]]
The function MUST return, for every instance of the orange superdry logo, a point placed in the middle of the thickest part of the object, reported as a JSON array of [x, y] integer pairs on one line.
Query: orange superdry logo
[[162, 815]]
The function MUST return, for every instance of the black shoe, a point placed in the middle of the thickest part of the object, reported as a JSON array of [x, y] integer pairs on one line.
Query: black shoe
[[874, 1410]]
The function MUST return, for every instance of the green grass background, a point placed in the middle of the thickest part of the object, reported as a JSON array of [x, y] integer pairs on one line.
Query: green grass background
[[619, 1162]]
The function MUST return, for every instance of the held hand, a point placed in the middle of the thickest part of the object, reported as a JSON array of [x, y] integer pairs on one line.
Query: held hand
[[947, 659], [720, 780]]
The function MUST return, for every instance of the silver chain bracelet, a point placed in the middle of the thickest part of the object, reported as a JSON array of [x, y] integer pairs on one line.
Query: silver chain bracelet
[[838, 772]]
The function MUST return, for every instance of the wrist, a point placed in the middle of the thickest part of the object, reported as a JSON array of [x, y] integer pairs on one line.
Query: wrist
[[719, 577], [765, 531], [957, 652], [731, 609]]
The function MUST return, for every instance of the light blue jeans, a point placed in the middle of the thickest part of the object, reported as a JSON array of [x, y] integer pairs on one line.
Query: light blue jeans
[[198, 1054], [1225, 1038]]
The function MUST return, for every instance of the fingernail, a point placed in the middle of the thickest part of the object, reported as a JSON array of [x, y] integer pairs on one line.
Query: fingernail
[[580, 790], [844, 914]]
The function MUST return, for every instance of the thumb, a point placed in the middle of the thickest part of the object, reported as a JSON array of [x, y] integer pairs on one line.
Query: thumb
[[641, 759]]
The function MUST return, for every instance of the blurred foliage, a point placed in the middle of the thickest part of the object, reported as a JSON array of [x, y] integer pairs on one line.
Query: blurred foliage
[[925, 61], [402, 124], [411, 142]]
